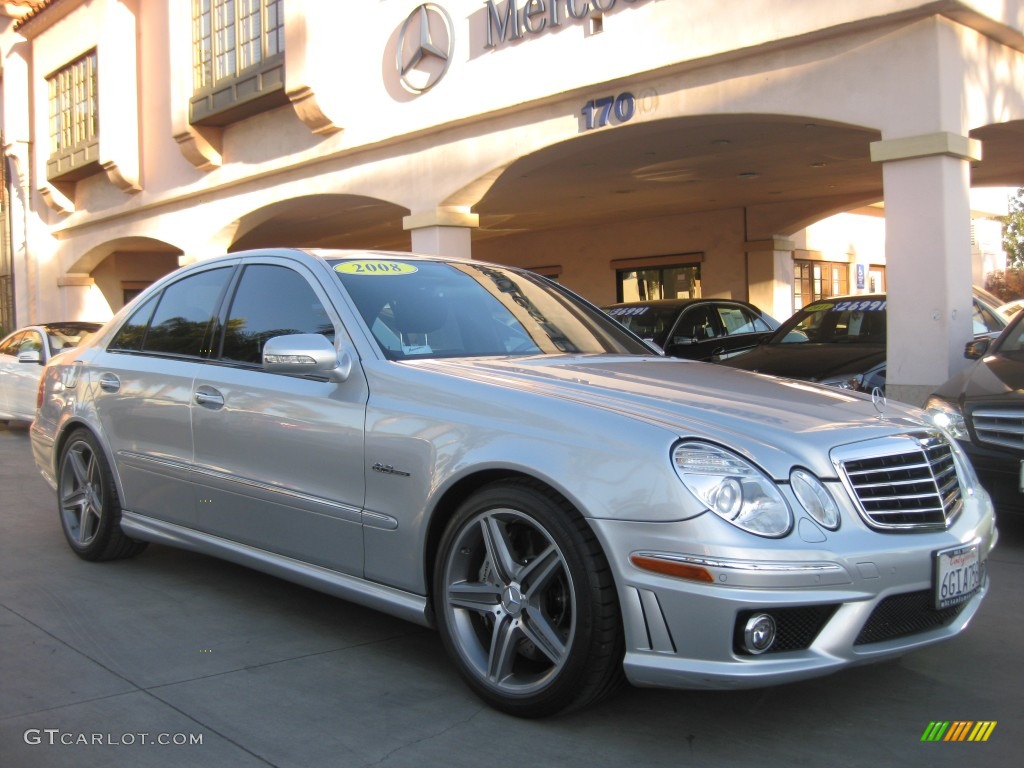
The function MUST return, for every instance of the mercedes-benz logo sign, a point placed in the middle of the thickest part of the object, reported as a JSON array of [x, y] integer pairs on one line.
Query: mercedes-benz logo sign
[[425, 48], [878, 399]]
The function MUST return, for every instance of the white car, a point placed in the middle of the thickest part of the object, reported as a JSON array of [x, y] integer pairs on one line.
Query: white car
[[22, 357], [475, 448]]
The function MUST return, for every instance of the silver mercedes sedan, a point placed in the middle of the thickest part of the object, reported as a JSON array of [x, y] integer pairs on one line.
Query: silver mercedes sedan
[[476, 449]]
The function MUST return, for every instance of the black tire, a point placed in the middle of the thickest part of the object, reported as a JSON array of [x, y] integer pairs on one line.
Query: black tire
[[90, 511], [525, 602]]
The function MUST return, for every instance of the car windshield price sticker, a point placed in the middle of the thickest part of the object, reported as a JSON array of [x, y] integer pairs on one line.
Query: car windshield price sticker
[[957, 575], [368, 267]]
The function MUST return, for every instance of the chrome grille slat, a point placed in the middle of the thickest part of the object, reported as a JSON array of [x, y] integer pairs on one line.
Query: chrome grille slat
[[906, 482], [1002, 427]]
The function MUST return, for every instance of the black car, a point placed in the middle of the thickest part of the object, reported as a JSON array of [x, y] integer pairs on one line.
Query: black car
[[841, 341], [696, 329], [983, 407]]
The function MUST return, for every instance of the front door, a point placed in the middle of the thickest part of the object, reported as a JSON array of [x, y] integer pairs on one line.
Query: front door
[[278, 458]]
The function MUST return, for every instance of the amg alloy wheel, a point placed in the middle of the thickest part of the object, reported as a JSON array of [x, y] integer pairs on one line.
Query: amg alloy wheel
[[526, 606], [90, 512]]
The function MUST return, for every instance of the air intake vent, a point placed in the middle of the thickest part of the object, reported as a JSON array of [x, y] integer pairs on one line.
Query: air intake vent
[[907, 482]]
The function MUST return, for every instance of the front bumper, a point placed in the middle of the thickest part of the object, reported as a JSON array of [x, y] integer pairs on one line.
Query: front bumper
[[856, 597]]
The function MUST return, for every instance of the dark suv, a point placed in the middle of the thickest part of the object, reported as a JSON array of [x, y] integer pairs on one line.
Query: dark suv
[[984, 409]]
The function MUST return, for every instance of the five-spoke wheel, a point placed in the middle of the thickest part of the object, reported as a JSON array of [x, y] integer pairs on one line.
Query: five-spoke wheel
[[525, 602], [90, 512]]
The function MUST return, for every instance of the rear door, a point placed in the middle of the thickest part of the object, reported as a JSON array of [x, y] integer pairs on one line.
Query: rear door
[[279, 458], [141, 387]]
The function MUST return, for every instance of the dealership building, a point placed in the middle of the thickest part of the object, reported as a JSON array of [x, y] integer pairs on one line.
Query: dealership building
[[623, 147]]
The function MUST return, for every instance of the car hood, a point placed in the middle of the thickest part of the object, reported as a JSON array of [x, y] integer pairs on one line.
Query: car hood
[[778, 421], [993, 377], [810, 361]]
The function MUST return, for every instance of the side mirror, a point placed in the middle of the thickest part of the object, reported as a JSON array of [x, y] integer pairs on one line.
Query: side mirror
[[304, 353], [975, 350], [30, 356]]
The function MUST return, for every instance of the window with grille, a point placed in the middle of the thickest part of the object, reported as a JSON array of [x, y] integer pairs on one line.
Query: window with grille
[[676, 281], [74, 118], [237, 58], [813, 280]]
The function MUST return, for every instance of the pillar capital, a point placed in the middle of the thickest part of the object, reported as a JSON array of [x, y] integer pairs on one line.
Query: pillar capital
[[442, 217], [926, 145]]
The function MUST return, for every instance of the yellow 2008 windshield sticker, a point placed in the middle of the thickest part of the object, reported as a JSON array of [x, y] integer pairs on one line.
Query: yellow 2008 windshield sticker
[[375, 267], [818, 307]]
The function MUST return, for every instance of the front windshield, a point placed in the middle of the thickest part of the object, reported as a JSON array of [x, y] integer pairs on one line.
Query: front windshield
[[66, 336], [427, 309], [858, 321], [1011, 343]]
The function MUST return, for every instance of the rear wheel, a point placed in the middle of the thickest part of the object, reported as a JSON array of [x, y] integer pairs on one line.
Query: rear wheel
[[90, 511], [526, 605]]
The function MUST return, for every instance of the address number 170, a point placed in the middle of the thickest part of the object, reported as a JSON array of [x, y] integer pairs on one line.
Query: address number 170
[[597, 113]]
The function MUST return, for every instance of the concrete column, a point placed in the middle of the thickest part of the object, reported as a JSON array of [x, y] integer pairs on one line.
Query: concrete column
[[442, 232], [928, 259], [770, 275]]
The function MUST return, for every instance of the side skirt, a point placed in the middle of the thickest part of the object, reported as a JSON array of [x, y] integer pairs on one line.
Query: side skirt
[[398, 603]]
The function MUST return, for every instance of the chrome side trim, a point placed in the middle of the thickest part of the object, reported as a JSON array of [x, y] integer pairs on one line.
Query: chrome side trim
[[297, 498], [144, 458], [346, 511], [398, 603]]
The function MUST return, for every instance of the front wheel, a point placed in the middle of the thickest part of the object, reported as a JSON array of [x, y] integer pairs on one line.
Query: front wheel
[[90, 511], [525, 602]]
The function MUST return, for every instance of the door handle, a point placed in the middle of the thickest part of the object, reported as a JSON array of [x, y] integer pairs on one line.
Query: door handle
[[208, 397], [109, 382]]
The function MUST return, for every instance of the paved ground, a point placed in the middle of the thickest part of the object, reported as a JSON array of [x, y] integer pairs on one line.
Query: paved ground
[[175, 647]]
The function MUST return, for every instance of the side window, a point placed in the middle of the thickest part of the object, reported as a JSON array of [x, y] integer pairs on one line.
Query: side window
[[737, 320], [32, 342], [696, 323], [270, 301], [181, 322], [131, 335], [984, 321]]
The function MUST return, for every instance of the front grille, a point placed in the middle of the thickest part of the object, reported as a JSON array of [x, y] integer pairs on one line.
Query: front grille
[[1000, 427], [904, 615], [795, 628], [905, 482]]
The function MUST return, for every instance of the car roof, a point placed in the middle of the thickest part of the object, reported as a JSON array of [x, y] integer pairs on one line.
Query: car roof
[[674, 303]]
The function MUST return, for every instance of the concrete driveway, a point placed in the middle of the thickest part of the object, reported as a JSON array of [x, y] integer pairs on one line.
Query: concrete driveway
[[175, 659]]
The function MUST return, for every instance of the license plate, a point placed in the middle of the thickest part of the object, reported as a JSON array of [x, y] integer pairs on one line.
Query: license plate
[[957, 575]]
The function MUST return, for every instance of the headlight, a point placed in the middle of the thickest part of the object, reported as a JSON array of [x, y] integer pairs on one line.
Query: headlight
[[732, 488], [815, 498], [947, 416]]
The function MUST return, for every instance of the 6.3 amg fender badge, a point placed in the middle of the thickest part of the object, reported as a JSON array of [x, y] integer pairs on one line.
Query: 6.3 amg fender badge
[[426, 43], [387, 469]]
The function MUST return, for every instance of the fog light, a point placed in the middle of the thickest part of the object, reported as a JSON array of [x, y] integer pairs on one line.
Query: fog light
[[759, 634]]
